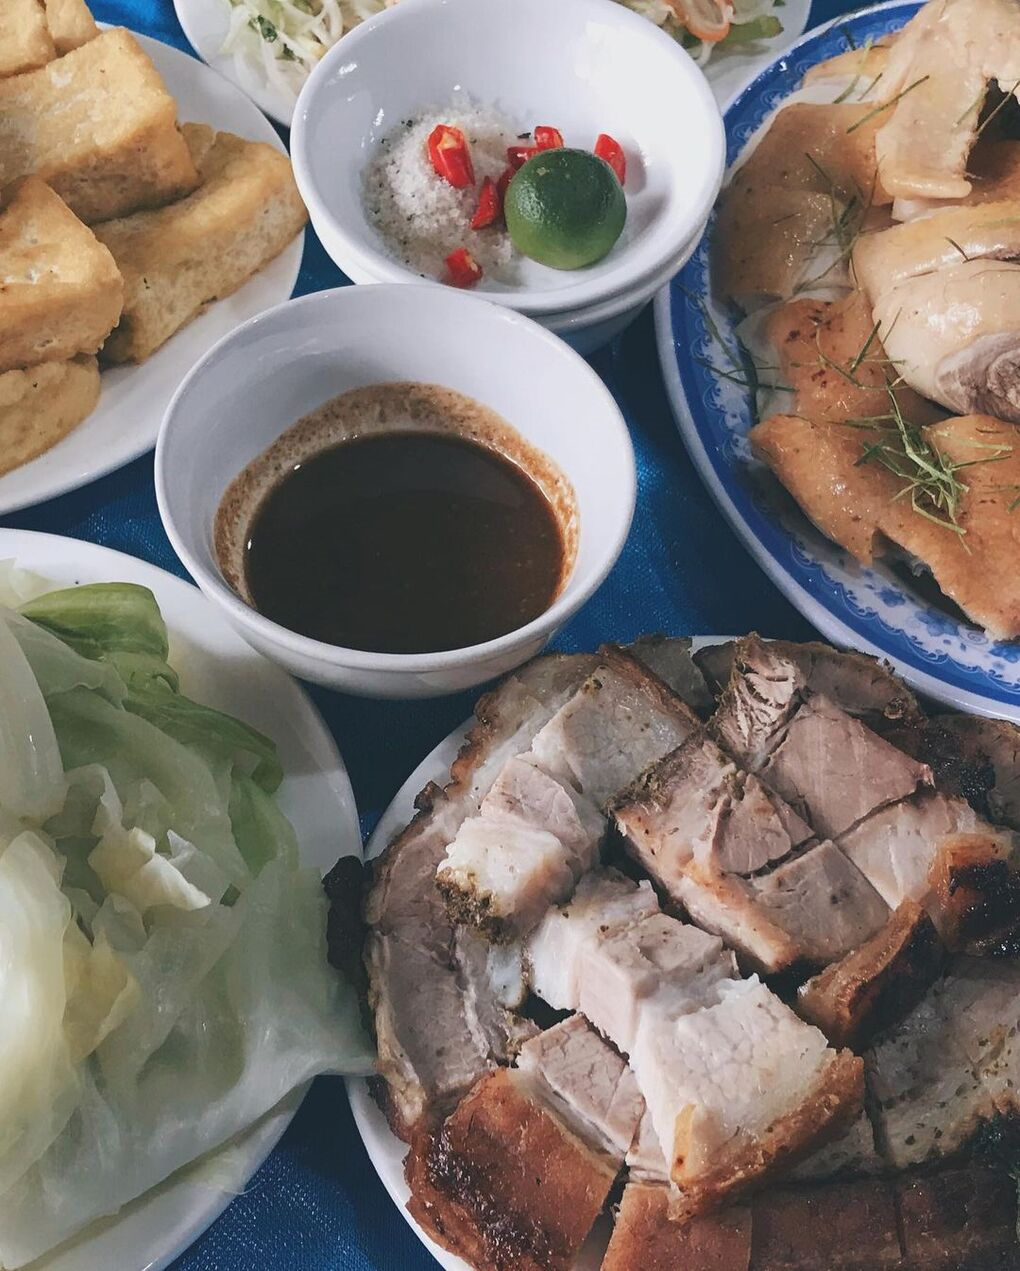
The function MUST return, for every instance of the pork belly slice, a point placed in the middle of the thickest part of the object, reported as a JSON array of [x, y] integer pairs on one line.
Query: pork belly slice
[[925, 1097], [539, 828], [877, 984], [519, 1172], [557, 950], [812, 909], [975, 893], [959, 1220], [645, 1160], [696, 803], [851, 1155], [441, 1024], [671, 659], [980, 1001], [620, 721], [647, 1238], [740, 1088]]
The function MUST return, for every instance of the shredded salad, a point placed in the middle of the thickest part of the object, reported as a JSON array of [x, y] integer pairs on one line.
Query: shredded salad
[[283, 39], [163, 967]]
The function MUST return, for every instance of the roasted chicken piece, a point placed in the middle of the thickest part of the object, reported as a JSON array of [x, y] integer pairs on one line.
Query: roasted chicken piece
[[862, 505], [862, 65]]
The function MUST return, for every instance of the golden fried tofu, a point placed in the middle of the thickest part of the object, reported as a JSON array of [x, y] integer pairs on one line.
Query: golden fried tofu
[[25, 39], [179, 259], [100, 127], [40, 406], [60, 291], [71, 24]]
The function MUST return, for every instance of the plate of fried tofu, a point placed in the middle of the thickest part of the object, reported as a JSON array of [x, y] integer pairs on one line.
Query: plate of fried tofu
[[147, 208]]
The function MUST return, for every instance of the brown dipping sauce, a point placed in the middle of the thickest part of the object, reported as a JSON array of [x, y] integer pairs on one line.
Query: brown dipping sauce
[[398, 539]]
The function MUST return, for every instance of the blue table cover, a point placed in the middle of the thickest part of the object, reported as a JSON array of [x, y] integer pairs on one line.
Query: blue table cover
[[317, 1204]]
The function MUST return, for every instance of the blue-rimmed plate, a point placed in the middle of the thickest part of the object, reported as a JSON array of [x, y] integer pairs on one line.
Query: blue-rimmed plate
[[874, 609]]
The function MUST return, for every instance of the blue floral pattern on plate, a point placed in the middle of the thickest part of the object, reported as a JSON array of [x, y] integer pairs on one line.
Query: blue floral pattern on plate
[[869, 609]]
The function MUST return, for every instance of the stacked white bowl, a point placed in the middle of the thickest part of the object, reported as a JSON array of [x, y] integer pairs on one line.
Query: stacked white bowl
[[583, 66]]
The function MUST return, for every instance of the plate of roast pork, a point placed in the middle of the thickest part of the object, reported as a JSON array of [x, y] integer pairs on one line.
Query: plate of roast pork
[[702, 955], [842, 351]]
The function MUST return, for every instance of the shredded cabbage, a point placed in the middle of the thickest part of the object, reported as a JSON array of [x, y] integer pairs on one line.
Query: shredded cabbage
[[162, 954], [751, 20], [284, 39]]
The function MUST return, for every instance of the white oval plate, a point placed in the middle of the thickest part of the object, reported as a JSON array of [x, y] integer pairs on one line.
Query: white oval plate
[[205, 23], [385, 1150], [217, 667], [869, 609], [133, 398]]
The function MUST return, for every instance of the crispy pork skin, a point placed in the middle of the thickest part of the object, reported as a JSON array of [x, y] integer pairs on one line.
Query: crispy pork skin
[[517, 1175], [960, 1220], [975, 886], [976, 759], [438, 1026], [878, 983], [647, 1238], [849, 1227]]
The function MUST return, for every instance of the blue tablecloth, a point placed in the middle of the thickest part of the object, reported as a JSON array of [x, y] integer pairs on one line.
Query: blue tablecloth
[[317, 1203]]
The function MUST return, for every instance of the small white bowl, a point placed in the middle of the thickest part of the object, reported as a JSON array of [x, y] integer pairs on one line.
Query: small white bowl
[[272, 370], [584, 66]]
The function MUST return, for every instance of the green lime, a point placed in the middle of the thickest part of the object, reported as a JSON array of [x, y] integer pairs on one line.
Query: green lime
[[565, 208]]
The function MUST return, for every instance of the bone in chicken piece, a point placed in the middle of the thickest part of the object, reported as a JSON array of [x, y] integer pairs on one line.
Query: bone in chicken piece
[[936, 74], [954, 335], [861, 504], [540, 830], [519, 1172], [946, 1070], [439, 1024], [740, 1088], [877, 984], [994, 173], [830, 355], [861, 65]]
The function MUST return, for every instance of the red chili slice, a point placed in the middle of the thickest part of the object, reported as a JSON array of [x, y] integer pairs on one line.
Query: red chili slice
[[548, 138], [518, 156], [465, 271], [490, 205], [450, 156], [503, 184], [608, 148]]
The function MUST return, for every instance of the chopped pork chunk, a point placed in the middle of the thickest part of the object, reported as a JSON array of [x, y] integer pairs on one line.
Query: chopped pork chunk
[[959, 1220], [876, 984], [844, 1227], [538, 830], [439, 1025], [557, 949], [980, 1001], [645, 1161], [851, 1155], [740, 1087], [647, 1237], [834, 771], [975, 893], [695, 803], [727, 905], [670, 658], [975, 758]]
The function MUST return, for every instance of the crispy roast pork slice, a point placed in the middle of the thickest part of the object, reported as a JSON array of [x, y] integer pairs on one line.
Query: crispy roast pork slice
[[696, 804], [950, 1067], [976, 759], [955, 1220], [739, 1089], [439, 1023], [540, 827], [877, 984], [671, 659], [812, 909], [851, 1155], [517, 1175]]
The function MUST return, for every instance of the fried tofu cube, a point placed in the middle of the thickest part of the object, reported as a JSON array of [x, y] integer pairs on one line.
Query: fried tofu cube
[[40, 406], [71, 24], [100, 127], [177, 260], [25, 39], [60, 291]]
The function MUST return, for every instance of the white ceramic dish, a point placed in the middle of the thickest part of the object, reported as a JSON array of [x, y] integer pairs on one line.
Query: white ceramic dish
[[385, 1150], [598, 67], [217, 667], [276, 368], [126, 420], [205, 23]]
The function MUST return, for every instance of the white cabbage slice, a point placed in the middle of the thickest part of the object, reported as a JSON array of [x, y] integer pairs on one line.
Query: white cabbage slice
[[32, 784], [37, 1078]]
